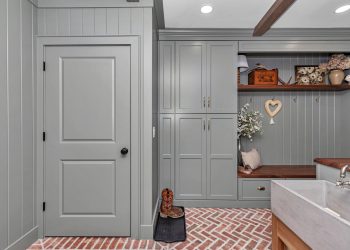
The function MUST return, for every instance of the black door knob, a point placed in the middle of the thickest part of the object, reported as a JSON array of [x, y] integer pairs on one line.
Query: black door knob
[[124, 151]]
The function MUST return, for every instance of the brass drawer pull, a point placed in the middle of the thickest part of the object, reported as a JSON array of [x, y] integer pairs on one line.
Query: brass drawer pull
[[260, 188]]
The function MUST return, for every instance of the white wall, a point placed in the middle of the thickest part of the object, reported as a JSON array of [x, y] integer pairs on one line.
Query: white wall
[[116, 22], [17, 174]]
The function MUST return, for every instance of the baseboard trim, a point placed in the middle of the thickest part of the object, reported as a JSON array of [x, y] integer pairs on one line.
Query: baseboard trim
[[25, 241], [146, 231], [223, 203]]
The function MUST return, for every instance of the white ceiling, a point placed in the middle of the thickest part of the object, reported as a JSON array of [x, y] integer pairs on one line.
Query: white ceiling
[[247, 13]]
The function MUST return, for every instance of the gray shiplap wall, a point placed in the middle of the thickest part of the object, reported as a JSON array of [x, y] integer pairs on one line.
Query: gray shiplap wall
[[17, 188], [344, 124], [309, 123], [91, 21], [117, 22], [308, 126]]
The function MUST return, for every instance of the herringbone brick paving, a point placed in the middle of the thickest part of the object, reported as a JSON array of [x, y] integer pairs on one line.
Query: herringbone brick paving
[[207, 228]]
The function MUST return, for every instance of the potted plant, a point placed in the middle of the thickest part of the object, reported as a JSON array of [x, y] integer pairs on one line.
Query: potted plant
[[336, 66], [249, 123]]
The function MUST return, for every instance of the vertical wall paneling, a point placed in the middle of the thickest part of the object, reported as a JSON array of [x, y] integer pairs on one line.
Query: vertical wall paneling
[[3, 127], [27, 115], [88, 22], [147, 106], [100, 21], [76, 23], [51, 21], [112, 21], [15, 121], [125, 21], [17, 194], [305, 128], [63, 21]]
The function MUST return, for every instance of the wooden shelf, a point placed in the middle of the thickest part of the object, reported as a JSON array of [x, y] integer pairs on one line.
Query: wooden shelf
[[271, 88], [282, 171]]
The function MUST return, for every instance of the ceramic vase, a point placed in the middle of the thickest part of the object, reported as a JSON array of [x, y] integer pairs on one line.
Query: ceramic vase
[[336, 77]]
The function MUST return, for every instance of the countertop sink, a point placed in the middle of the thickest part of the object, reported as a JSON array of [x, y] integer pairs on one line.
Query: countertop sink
[[317, 211]]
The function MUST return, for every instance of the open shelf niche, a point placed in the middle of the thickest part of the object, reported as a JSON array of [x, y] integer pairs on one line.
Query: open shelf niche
[[285, 63]]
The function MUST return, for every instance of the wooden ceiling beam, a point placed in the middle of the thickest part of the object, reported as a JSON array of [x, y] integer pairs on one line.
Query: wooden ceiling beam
[[271, 16]]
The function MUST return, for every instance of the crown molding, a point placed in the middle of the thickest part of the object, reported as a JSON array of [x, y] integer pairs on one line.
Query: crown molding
[[247, 34], [93, 4]]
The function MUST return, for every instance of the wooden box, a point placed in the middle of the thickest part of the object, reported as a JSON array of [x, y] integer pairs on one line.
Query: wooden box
[[263, 77]]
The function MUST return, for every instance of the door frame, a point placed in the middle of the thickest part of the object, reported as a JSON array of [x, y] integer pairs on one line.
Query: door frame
[[135, 108]]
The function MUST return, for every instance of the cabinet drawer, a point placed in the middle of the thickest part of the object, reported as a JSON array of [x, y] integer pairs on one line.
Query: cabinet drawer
[[254, 189]]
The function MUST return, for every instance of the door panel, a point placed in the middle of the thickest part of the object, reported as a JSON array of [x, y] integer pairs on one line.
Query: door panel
[[167, 77], [222, 77], [78, 200], [87, 121], [81, 118], [190, 77], [222, 157], [167, 151], [190, 159]]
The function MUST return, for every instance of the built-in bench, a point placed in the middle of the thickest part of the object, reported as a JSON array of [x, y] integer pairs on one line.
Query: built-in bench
[[257, 185]]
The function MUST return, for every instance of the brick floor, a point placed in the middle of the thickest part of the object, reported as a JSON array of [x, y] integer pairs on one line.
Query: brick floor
[[207, 228]]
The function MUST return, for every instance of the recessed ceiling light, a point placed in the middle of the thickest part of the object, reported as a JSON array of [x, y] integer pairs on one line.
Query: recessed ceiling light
[[342, 9], [206, 9]]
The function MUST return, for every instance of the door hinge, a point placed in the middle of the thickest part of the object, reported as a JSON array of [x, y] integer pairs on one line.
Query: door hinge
[[44, 66], [44, 136], [44, 206]]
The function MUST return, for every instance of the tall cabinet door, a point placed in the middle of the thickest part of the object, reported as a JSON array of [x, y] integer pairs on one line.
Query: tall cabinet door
[[166, 77], [222, 77], [222, 157], [190, 77], [190, 161], [167, 151]]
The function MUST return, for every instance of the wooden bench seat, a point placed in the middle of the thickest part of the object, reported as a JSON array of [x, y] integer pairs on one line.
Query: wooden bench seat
[[282, 171]]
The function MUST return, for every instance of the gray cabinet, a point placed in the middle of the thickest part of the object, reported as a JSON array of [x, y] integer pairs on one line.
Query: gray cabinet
[[205, 162], [166, 77], [221, 156], [254, 189], [221, 77], [198, 77], [197, 130], [190, 77], [190, 168]]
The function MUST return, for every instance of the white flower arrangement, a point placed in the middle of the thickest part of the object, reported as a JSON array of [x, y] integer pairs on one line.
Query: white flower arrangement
[[249, 122]]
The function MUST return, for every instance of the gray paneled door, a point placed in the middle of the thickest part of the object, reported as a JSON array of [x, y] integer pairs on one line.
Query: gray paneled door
[[191, 77], [221, 77], [222, 157], [190, 170], [87, 121]]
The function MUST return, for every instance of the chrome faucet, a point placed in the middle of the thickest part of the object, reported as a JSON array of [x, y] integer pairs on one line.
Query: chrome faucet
[[341, 182]]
